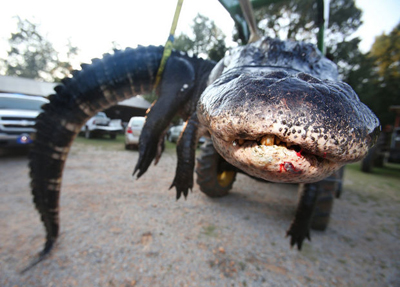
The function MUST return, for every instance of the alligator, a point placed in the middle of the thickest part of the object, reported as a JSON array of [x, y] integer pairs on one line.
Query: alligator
[[275, 109]]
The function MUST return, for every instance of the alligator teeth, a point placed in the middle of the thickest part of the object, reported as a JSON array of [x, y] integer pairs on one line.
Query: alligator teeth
[[268, 140]]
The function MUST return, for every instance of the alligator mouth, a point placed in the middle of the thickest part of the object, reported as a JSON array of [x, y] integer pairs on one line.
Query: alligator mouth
[[274, 159], [271, 141]]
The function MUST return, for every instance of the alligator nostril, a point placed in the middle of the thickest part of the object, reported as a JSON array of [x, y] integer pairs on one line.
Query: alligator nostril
[[277, 74], [307, 78]]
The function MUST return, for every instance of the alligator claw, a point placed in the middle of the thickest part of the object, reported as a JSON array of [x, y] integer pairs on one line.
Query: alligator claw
[[298, 232], [182, 183], [300, 227], [180, 190], [147, 154]]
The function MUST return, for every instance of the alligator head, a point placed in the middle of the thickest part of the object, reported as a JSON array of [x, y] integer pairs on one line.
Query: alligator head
[[286, 119]]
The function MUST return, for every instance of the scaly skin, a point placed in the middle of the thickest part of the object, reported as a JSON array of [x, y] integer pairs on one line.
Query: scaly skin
[[97, 87], [242, 103], [321, 119], [277, 111]]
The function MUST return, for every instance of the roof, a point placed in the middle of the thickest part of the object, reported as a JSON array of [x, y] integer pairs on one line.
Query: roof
[[137, 102], [25, 86]]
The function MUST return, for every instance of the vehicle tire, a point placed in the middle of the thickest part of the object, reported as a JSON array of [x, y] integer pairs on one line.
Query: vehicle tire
[[328, 189], [128, 146], [88, 134], [215, 176], [368, 163], [379, 160], [113, 136]]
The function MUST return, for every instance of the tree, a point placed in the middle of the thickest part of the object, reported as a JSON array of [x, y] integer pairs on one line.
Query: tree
[[32, 56], [298, 20], [207, 39], [376, 78], [386, 52]]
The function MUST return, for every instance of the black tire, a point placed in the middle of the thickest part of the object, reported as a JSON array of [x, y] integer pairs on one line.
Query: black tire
[[215, 176], [88, 133], [113, 136], [328, 189], [379, 160], [367, 164]]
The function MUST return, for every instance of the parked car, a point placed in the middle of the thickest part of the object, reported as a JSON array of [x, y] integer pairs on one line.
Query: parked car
[[133, 131], [17, 118], [175, 131], [100, 124]]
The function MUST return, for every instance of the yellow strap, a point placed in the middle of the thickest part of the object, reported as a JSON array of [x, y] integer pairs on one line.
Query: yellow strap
[[168, 44]]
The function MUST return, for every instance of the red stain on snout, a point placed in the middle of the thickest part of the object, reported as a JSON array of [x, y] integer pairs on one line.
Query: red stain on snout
[[289, 167], [299, 153]]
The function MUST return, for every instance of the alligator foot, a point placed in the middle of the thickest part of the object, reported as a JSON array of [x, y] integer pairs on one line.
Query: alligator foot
[[186, 149], [300, 227], [182, 184], [298, 231], [147, 152]]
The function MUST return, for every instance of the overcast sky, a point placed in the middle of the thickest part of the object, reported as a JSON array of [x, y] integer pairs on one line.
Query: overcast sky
[[93, 25]]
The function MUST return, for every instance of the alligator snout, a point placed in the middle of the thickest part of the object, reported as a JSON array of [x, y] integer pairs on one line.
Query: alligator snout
[[286, 127]]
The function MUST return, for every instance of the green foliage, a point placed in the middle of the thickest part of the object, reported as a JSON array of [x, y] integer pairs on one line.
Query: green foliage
[[32, 56], [150, 97], [288, 19], [183, 43], [207, 39], [375, 76], [386, 52], [344, 19], [298, 19]]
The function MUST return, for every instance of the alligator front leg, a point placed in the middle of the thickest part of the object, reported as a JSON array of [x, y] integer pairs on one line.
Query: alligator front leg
[[176, 89], [300, 227], [186, 149]]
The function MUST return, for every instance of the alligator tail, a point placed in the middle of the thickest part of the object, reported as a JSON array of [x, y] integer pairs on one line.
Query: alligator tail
[[96, 87]]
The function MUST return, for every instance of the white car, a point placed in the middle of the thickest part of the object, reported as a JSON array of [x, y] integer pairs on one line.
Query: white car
[[174, 133], [133, 131], [100, 124]]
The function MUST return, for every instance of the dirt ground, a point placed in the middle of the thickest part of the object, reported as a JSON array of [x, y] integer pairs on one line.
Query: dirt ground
[[117, 231]]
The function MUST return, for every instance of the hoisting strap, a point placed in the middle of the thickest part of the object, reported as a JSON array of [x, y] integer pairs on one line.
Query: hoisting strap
[[168, 44]]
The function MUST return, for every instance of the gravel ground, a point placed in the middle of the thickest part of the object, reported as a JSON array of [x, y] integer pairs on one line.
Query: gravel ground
[[116, 231]]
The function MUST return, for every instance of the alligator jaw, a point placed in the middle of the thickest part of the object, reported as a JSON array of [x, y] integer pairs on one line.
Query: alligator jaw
[[274, 160], [323, 118]]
